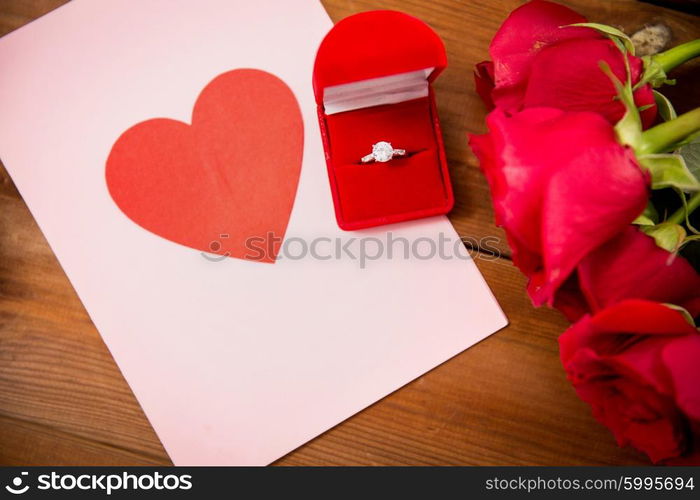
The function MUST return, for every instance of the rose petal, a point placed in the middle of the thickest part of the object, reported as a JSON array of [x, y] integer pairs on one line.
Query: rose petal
[[682, 360], [568, 76], [522, 35], [644, 98], [607, 331], [573, 339], [633, 411], [599, 193], [561, 186], [638, 358], [642, 317], [483, 80]]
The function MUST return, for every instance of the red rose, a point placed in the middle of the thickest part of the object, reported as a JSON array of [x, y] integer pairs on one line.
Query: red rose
[[636, 365], [539, 61], [561, 186], [631, 265]]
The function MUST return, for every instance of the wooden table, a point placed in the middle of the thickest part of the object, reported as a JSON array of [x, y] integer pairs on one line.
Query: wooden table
[[505, 401]]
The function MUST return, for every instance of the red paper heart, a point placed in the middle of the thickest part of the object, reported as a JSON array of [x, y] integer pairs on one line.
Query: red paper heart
[[227, 182]]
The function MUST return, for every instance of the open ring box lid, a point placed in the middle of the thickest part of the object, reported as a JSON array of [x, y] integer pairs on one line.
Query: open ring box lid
[[372, 82]]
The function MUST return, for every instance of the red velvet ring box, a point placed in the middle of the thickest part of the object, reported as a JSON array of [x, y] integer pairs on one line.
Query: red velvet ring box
[[372, 81]]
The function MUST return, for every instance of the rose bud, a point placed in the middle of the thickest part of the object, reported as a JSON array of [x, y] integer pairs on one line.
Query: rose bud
[[539, 59], [561, 186]]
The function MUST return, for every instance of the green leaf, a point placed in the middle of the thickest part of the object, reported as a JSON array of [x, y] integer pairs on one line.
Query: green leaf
[[691, 154], [690, 239], [643, 220], [666, 109], [647, 218], [684, 212], [620, 45], [669, 170], [614, 34], [684, 312], [667, 235], [653, 74], [629, 128]]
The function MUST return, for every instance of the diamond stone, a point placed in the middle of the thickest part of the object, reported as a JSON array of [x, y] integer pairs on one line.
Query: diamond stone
[[382, 151]]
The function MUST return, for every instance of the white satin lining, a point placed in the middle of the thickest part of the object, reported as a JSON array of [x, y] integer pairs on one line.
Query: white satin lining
[[376, 91]]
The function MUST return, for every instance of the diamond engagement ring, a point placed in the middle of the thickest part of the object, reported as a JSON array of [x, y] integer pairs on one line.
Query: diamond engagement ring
[[382, 152]]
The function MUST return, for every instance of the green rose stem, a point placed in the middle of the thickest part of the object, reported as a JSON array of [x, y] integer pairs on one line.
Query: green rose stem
[[677, 55], [665, 136], [679, 215]]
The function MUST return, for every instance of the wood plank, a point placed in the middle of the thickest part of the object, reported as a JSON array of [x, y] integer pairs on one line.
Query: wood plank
[[54, 367], [30, 444]]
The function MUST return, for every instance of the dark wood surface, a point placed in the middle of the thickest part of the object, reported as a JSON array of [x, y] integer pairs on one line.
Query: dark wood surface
[[505, 401]]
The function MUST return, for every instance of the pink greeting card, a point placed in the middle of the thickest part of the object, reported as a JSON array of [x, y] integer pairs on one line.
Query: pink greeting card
[[170, 153]]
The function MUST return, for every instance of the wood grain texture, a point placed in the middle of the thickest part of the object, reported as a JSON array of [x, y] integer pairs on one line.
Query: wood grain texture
[[63, 400]]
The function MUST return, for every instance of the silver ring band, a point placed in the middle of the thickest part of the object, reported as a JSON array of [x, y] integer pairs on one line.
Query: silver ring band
[[382, 152]]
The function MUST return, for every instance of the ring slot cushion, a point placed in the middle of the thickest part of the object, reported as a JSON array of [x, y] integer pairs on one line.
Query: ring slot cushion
[[372, 82]]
